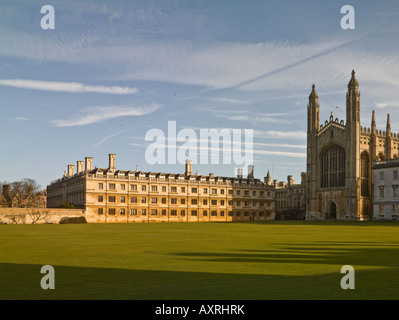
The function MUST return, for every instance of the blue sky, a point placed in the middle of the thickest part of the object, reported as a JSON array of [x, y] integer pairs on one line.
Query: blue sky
[[112, 70]]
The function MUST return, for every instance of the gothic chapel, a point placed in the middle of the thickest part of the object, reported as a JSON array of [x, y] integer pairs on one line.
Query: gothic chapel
[[339, 160]]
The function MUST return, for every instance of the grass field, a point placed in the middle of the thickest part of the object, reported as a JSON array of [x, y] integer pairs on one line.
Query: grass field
[[270, 260]]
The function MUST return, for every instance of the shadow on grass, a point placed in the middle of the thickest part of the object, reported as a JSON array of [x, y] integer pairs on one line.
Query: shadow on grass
[[22, 281], [374, 254]]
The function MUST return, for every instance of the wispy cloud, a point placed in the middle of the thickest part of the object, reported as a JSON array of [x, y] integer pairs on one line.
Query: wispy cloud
[[92, 115], [296, 135], [75, 87]]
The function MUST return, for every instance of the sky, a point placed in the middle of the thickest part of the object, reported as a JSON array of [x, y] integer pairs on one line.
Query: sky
[[110, 71]]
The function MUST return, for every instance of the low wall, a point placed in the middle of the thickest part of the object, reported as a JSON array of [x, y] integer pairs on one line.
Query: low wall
[[37, 215]]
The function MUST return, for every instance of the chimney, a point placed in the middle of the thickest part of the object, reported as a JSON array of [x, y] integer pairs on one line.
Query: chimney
[[79, 167], [88, 164], [111, 161], [290, 181], [275, 184], [188, 168], [250, 171], [239, 173], [71, 168]]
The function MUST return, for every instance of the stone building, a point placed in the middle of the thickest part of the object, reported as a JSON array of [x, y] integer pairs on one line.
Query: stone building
[[339, 160], [113, 195], [290, 198], [386, 189]]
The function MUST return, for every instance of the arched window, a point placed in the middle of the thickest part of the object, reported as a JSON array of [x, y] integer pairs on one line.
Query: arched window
[[364, 174], [332, 167]]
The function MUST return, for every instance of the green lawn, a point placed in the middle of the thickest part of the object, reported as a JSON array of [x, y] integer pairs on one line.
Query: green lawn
[[270, 260]]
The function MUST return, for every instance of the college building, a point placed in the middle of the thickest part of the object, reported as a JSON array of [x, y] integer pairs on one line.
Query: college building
[[340, 155], [111, 195]]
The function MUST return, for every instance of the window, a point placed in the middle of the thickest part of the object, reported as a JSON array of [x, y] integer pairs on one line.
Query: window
[[100, 186], [123, 187], [230, 202], [133, 199], [111, 211], [194, 201], [238, 203], [221, 191], [254, 193], [381, 192], [205, 213], [230, 213], [332, 167], [100, 198], [122, 212], [222, 213], [133, 187], [163, 188], [382, 176], [143, 188], [111, 199], [205, 190], [183, 189], [246, 204], [254, 203], [182, 213], [262, 193], [214, 191], [112, 186], [214, 202], [230, 191], [100, 211], [173, 189], [133, 212], [214, 213], [154, 188], [238, 192], [364, 174], [261, 204], [205, 202], [173, 200], [173, 212], [153, 212], [395, 174], [143, 212], [246, 192], [194, 212], [222, 202], [144, 200], [154, 200], [395, 192], [183, 201], [164, 200], [193, 190], [164, 212], [123, 199]]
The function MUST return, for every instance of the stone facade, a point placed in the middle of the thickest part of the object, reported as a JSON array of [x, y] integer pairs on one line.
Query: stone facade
[[290, 198], [386, 189], [339, 160], [39, 215], [111, 195]]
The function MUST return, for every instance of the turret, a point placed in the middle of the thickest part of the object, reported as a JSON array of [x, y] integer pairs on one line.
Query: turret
[[313, 111]]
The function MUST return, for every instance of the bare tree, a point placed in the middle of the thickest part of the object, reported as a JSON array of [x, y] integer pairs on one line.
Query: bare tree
[[38, 214], [16, 218]]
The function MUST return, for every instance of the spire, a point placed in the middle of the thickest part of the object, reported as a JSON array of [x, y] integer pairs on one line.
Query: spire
[[353, 83], [388, 130], [313, 94], [268, 174], [373, 125]]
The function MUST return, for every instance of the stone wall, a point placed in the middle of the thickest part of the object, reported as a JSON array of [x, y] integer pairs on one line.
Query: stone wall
[[37, 215]]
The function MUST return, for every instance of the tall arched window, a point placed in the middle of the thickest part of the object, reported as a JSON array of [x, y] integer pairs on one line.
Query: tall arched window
[[332, 167], [364, 174]]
